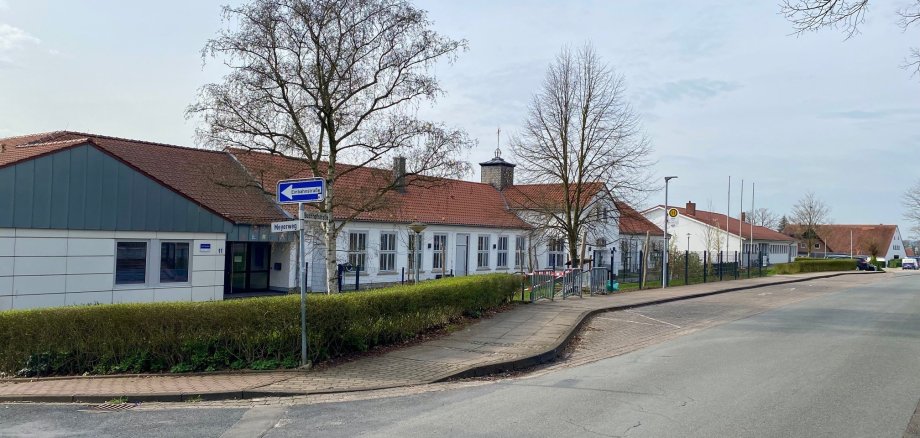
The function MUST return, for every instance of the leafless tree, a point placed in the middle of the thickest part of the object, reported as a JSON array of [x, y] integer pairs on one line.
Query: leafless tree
[[334, 84], [847, 15], [912, 207], [581, 134], [763, 217], [809, 214]]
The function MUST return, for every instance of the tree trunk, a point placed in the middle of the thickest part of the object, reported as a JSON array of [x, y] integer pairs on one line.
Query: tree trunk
[[332, 268]]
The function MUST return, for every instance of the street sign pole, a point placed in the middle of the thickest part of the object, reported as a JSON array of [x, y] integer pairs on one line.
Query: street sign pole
[[303, 292], [299, 191]]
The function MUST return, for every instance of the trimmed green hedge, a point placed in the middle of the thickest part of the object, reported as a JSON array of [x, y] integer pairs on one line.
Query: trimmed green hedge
[[815, 265], [258, 333]]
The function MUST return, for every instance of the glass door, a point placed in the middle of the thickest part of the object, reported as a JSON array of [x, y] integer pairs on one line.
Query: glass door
[[247, 267]]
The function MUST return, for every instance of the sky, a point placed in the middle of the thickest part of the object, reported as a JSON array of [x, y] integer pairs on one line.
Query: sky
[[723, 88]]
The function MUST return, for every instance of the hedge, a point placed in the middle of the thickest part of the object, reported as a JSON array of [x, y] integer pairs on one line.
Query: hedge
[[815, 265], [258, 333]]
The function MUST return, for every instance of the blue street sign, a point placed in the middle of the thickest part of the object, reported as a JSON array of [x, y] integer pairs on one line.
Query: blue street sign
[[295, 191]]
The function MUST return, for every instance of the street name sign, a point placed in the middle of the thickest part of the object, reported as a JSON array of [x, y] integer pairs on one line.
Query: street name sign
[[281, 227], [295, 191], [316, 216]]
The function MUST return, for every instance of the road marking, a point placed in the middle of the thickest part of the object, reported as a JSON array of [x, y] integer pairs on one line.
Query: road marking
[[255, 422], [653, 319], [626, 320]]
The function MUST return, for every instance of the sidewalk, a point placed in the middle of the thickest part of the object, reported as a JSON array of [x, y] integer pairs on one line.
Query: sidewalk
[[519, 338]]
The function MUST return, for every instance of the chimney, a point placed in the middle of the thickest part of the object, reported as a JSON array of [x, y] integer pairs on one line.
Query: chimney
[[399, 174], [691, 208], [497, 172]]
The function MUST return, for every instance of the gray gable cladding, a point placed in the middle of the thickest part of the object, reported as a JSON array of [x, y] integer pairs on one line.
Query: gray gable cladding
[[83, 188]]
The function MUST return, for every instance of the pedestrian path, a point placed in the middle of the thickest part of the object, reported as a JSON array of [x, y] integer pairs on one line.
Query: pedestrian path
[[524, 336]]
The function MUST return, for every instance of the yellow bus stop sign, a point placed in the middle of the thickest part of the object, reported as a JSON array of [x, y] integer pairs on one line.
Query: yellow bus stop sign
[[672, 212]]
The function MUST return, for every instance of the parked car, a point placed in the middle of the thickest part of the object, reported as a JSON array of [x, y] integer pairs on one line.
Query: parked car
[[909, 263], [863, 264]]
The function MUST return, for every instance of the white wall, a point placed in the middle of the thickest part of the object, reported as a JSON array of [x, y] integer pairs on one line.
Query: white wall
[[45, 268], [284, 253], [896, 248], [372, 273], [679, 228]]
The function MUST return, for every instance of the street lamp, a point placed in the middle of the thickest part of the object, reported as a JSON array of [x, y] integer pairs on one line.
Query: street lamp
[[664, 268], [688, 242], [418, 227]]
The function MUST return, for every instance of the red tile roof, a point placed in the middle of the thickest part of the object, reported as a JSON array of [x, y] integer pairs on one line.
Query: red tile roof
[[720, 221], [435, 201], [210, 178], [633, 222], [837, 237], [545, 196]]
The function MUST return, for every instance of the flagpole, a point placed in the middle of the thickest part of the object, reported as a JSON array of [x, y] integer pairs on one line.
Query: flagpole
[[740, 222], [728, 213]]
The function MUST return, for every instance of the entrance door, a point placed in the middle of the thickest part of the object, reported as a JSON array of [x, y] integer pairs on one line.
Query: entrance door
[[463, 254], [247, 267]]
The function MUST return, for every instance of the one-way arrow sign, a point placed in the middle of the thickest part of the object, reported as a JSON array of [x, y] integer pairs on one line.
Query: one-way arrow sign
[[294, 191]]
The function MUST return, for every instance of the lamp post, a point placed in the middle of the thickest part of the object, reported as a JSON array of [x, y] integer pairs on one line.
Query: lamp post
[[688, 242], [664, 266], [418, 227]]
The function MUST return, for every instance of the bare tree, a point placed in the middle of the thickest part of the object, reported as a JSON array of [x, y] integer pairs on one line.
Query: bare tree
[[847, 15], [763, 217], [911, 202], [334, 84], [809, 214], [581, 134]]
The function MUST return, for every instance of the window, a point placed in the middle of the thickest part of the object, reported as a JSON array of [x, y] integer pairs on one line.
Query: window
[[131, 263], [387, 252], [817, 245], [440, 251], [482, 256], [502, 256], [519, 251], [556, 253], [415, 241], [357, 249], [174, 258]]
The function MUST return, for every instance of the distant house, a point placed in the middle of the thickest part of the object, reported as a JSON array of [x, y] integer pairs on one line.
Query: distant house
[[851, 241], [699, 230]]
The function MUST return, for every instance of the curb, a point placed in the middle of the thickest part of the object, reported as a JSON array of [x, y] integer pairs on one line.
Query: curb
[[475, 371]]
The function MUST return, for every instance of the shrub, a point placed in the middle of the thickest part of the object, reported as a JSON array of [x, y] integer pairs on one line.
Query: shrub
[[894, 263], [814, 265], [257, 333]]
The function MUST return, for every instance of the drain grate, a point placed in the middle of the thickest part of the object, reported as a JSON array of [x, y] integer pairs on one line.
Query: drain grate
[[113, 407]]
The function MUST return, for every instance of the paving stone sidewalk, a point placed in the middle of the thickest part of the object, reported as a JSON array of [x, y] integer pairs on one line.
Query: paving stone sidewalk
[[515, 339]]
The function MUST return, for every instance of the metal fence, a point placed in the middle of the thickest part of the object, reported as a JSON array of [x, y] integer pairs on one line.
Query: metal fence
[[688, 267]]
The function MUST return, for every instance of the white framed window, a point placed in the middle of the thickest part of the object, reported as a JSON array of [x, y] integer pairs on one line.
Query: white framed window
[[130, 262], [519, 251], [357, 249], [387, 252], [501, 256], [482, 254], [556, 253], [439, 256], [174, 261], [415, 241]]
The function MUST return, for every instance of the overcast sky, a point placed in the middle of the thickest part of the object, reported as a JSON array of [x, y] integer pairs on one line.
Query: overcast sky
[[722, 87]]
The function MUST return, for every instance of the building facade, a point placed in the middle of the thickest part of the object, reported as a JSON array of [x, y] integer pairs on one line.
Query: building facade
[[91, 219]]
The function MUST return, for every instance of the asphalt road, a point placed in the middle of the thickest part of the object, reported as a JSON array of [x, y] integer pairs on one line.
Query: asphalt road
[[843, 364]]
